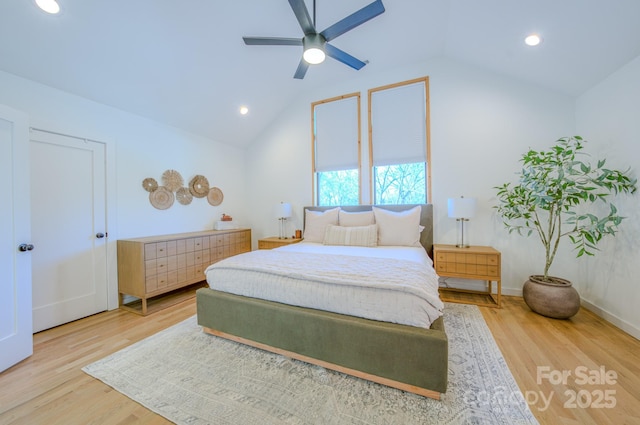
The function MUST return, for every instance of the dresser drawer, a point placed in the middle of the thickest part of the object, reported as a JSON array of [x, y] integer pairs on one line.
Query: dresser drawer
[[197, 244], [151, 283]]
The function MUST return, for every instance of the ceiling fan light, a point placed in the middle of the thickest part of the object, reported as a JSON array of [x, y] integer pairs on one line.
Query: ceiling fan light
[[313, 49], [314, 55], [49, 6], [533, 40]]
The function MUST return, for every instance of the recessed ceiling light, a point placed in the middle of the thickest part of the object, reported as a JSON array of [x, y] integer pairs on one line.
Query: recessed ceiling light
[[49, 6], [533, 40], [244, 110]]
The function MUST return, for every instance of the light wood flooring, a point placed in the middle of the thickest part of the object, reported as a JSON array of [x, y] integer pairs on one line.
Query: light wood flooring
[[49, 387]]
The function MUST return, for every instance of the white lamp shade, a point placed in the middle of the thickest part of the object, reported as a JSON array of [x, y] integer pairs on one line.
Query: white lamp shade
[[461, 207], [283, 210]]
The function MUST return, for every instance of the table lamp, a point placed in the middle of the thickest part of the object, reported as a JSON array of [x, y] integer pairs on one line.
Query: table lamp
[[283, 212], [462, 209]]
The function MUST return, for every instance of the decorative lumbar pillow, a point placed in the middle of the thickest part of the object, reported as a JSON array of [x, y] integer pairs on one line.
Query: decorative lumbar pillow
[[351, 235], [398, 228], [315, 223], [347, 219]]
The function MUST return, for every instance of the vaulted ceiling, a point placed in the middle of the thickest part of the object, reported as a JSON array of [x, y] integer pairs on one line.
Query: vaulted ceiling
[[184, 62]]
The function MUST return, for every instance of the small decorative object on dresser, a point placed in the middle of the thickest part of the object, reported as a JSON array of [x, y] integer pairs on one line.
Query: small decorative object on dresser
[[275, 242], [155, 265], [473, 262]]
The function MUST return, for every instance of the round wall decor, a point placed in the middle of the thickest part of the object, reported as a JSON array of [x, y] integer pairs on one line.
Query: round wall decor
[[149, 184], [184, 196], [215, 196], [172, 180], [199, 186], [161, 198]]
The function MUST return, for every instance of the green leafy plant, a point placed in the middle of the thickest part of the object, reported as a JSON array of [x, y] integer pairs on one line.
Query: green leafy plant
[[549, 197]]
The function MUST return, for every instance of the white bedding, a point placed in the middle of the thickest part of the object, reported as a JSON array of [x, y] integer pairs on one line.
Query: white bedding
[[391, 284]]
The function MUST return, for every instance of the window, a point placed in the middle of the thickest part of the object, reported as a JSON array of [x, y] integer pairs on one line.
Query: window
[[400, 183], [338, 187], [336, 150], [399, 142], [399, 147]]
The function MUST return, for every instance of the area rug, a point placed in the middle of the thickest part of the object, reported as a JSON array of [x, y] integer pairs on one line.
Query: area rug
[[190, 377]]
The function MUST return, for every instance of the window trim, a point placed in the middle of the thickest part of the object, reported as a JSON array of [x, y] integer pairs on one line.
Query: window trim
[[314, 182], [370, 92]]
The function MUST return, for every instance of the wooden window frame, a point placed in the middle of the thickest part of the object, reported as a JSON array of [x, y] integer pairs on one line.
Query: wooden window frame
[[424, 80]]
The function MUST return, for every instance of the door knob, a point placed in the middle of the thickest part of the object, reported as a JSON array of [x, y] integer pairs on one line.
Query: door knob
[[25, 247], [100, 235]]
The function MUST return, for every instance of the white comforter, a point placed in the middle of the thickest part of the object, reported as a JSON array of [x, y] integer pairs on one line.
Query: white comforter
[[391, 284]]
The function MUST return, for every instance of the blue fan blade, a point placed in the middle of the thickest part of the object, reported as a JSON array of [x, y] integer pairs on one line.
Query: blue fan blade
[[272, 41], [343, 57], [302, 69], [350, 22], [302, 14]]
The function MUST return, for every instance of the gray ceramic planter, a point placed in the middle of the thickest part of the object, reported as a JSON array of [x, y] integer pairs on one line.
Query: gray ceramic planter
[[556, 299]]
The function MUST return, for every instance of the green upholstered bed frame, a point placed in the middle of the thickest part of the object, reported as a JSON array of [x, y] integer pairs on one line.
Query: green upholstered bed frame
[[406, 357]]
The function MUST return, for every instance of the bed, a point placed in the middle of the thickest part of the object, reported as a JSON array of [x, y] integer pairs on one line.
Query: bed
[[404, 347]]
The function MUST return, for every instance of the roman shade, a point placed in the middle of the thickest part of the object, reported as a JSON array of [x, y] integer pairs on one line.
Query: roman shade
[[336, 135], [399, 124]]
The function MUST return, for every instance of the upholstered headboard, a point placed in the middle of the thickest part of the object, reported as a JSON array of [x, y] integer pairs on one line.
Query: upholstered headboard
[[426, 218]]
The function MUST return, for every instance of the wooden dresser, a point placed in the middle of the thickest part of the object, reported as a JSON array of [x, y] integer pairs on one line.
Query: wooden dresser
[[156, 265]]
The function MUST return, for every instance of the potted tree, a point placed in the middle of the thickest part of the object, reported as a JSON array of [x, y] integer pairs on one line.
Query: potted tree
[[551, 200]]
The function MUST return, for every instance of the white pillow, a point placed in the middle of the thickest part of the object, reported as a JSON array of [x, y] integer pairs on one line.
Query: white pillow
[[351, 235], [364, 218], [315, 223], [398, 228]]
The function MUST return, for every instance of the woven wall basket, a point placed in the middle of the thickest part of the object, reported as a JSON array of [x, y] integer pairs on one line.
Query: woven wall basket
[[199, 186], [161, 198], [215, 196], [149, 184], [172, 180], [184, 196]]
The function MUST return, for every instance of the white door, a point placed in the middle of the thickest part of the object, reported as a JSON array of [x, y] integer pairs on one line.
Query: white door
[[68, 227], [16, 341]]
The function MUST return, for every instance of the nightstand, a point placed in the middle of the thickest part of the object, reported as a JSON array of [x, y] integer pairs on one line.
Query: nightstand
[[475, 262], [275, 242]]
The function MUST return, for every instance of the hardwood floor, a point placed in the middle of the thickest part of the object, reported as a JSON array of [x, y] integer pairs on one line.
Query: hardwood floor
[[589, 351], [49, 387]]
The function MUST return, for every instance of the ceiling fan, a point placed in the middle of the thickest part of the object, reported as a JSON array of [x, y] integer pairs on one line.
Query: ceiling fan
[[315, 44]]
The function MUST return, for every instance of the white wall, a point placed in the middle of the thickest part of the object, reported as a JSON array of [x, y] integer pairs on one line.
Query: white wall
[[609, 116], [481, 123], [137, 148]]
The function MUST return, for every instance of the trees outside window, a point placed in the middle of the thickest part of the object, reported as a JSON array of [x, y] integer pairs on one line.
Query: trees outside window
[[400, 183], [338, 188]]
